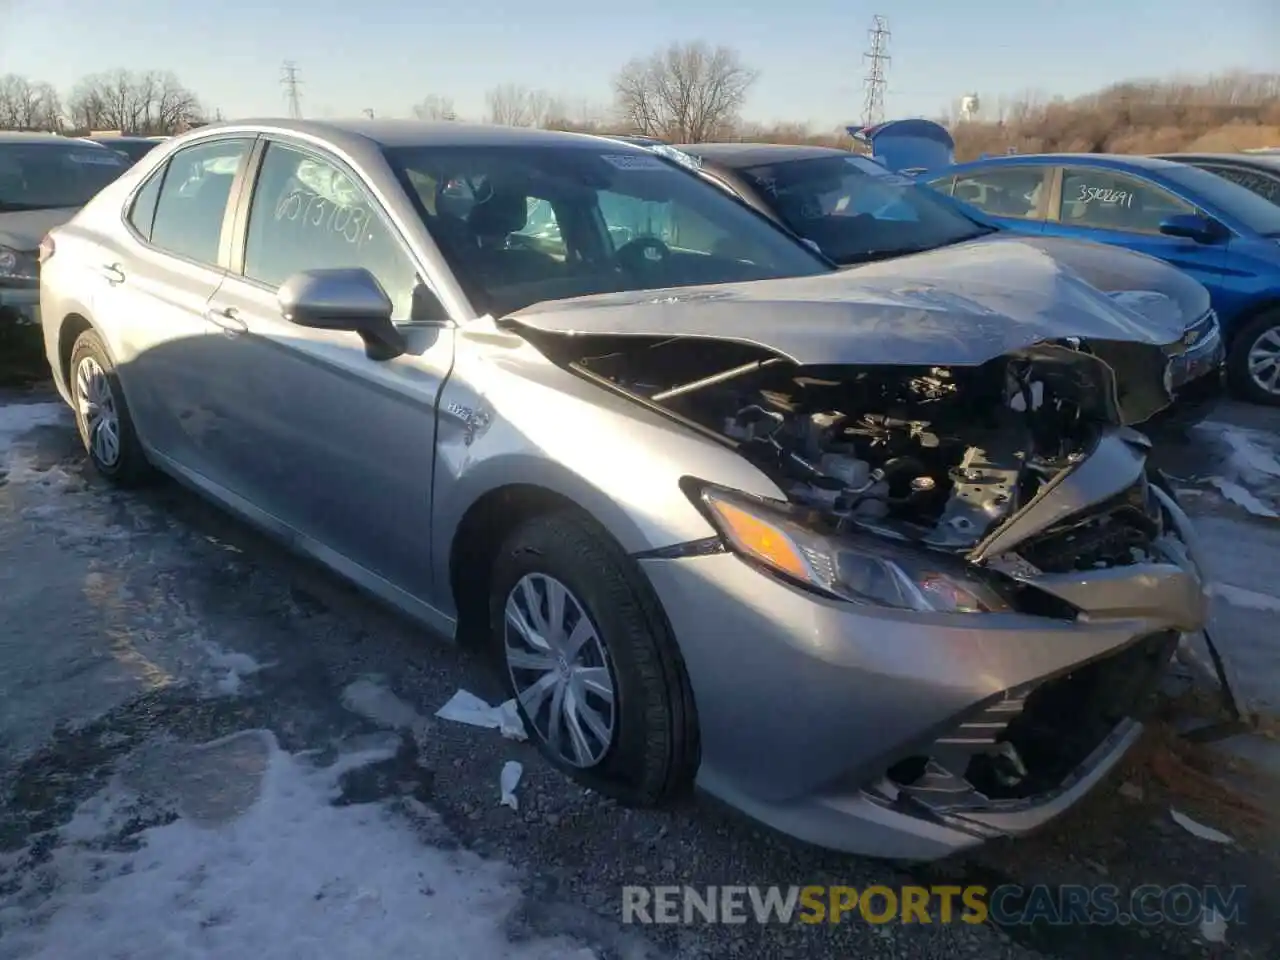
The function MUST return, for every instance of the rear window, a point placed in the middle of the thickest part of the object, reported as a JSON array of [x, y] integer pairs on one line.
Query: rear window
[[43, 176]]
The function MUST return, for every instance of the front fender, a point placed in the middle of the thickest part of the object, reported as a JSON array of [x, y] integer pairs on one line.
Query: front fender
[[508, 416]]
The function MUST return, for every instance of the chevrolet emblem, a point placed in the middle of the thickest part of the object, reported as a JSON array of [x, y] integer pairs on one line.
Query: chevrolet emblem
[[1190, 337]]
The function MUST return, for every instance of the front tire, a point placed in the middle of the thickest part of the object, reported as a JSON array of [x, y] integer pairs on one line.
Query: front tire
[[585, 651], [102, 416], [1253, 365]]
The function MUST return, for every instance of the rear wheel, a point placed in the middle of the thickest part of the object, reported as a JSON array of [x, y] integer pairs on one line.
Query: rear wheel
[[584, 649], [1253, 365], [102, 416]]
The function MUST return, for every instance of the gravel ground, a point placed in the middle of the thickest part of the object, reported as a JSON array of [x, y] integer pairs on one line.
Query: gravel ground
[[133, 627]]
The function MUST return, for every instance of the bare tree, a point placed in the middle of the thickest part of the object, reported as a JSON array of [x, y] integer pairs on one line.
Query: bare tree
[[28, 105], [434, 107], [688, 92], [515, 106], [135, 103]]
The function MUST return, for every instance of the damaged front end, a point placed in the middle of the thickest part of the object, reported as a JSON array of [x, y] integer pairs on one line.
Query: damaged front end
[[1010, 486]]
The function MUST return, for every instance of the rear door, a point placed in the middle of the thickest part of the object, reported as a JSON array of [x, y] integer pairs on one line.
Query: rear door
[[1014, 196], [329, 445], [1123, 209], [158, 278]]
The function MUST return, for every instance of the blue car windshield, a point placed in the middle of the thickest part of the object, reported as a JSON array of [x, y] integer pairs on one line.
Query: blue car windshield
[[855, 210], [1252, 211]]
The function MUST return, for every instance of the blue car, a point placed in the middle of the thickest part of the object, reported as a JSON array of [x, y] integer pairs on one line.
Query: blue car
[[1218, 232]]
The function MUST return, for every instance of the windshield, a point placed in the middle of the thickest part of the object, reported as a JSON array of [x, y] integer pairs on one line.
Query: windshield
[[855, 210], [1252, 211], [520, 225], [41, 176], [134, 150]]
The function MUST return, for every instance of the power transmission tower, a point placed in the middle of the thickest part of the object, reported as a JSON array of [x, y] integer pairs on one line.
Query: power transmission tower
[[289, 78], [877, 60]]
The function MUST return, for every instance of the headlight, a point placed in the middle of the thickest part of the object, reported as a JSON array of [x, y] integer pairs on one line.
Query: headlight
[[849, 568], [18, 265]]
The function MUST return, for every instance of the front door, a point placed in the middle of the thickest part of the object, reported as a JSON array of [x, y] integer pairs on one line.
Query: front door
[[156, 287], [332, 446], [1105, 206]]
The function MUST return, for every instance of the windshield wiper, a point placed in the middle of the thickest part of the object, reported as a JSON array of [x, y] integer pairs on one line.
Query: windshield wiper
[[8, 206], [868, 256]]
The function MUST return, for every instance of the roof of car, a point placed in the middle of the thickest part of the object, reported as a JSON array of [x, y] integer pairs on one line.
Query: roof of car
[[412, 133], [736, 156], [1267, 161], [124, 139], [24, 136]]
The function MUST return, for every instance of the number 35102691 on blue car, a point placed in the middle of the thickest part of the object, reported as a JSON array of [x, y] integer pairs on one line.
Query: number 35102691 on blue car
[[873, 555]]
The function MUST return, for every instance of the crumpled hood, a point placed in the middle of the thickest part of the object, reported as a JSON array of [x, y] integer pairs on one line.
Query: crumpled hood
[[961, 305], [24, 229], [1123, 273]]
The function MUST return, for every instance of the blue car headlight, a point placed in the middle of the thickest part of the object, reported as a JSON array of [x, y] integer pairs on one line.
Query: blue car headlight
[[854, 568]]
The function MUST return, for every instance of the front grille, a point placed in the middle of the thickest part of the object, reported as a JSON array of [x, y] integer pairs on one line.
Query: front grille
[[1195, 335], [1032, 739]]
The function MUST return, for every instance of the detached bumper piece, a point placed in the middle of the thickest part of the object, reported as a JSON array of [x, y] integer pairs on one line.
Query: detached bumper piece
[[1023, 749]]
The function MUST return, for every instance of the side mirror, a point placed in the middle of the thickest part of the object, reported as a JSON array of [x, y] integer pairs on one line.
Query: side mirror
[[343, 299], [1193, 226]]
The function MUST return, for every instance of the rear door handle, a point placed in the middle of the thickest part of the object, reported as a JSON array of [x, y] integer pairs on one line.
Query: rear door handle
[[228, 318], [113, 273]]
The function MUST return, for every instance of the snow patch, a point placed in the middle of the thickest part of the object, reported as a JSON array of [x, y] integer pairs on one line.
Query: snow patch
[[1249, 599], [17, 419], [233, 667], [291, 876], [1248, 457], [1243, 498], [371, 699]]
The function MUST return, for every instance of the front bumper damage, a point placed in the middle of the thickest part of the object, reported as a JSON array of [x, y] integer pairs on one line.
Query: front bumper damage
[[915, 736]]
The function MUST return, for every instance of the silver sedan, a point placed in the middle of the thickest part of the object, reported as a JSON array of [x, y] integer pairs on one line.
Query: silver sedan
[[873, 555]]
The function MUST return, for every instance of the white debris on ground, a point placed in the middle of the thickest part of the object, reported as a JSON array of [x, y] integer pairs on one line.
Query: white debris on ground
[[512, 770], [281, 873], [1213, 927], [466, 707], [1199, 829]]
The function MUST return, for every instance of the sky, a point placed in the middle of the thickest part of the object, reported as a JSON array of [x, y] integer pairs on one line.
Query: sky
[[386, 55]]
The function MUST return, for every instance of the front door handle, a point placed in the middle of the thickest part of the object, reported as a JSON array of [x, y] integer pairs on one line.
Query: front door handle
[[113, 273], [228, 318]]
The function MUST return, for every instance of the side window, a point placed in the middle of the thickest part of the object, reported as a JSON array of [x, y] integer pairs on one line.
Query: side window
[[307, 214], [193, 199], [1105, 200], [541, 230], [1266, 187], [143, 212], [1003, 192]]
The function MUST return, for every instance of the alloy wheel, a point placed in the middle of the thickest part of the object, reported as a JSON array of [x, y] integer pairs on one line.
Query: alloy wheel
[[559, 670], [1264, 361], [96, 407]]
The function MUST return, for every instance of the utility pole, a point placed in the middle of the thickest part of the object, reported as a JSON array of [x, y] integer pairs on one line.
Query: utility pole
[[289, 79], [877, 60]]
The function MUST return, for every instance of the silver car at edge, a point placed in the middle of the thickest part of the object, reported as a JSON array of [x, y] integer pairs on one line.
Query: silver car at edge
[[874, 556]]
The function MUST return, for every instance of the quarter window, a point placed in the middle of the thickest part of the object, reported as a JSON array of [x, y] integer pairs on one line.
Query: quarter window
[[143, 211], [1105, 200], [192, 202], [1006, 192], [308, 214]]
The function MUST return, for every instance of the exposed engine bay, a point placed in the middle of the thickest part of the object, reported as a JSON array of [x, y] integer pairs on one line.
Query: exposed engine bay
[[937, 455]]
